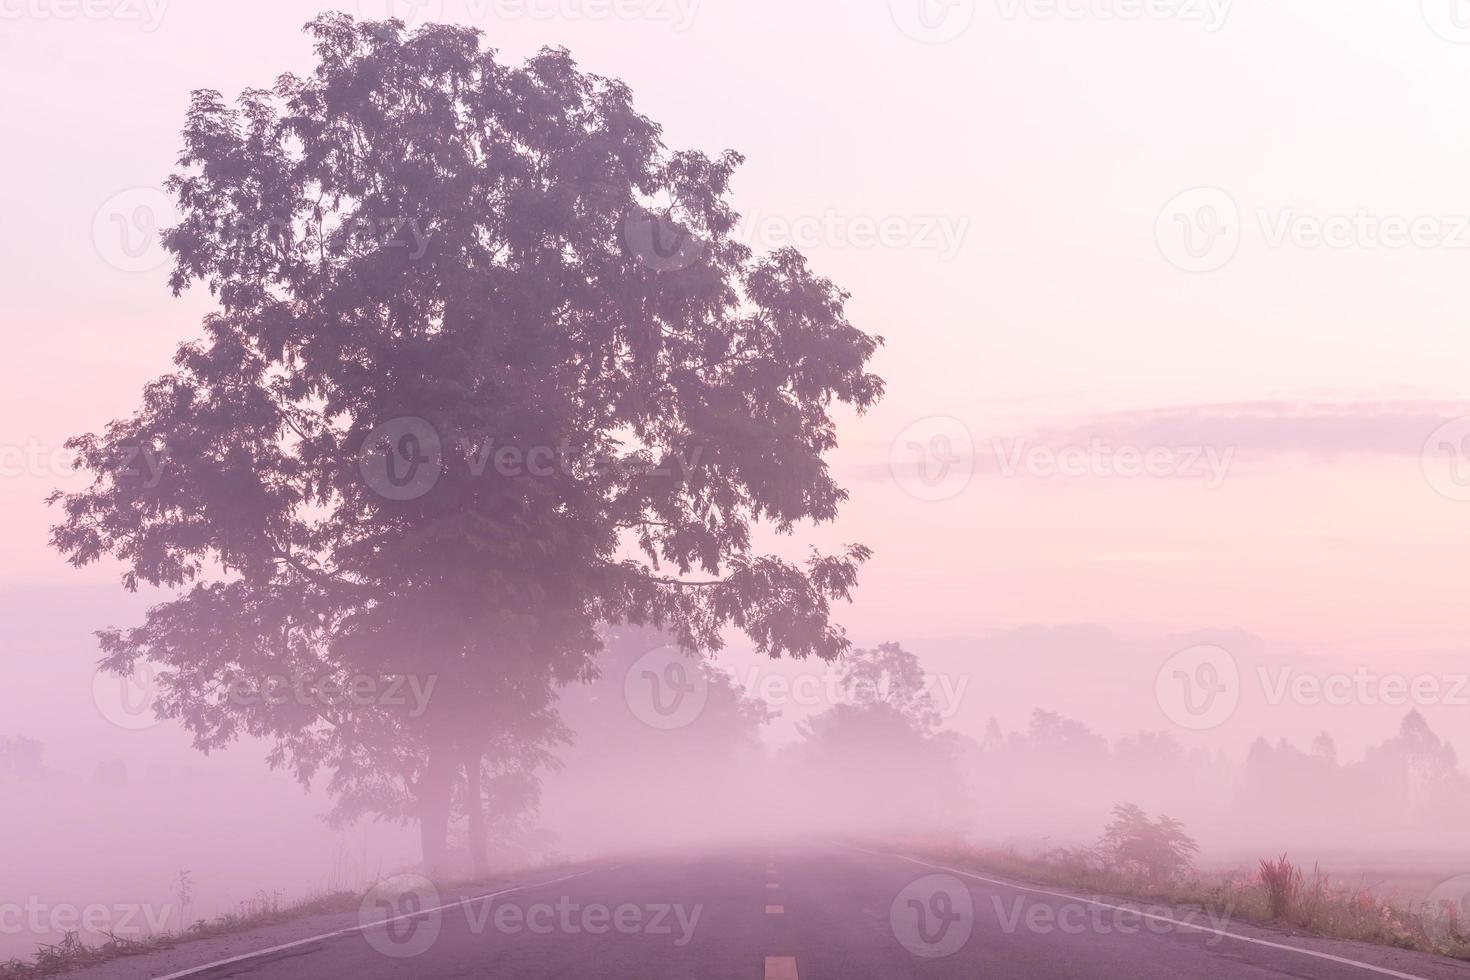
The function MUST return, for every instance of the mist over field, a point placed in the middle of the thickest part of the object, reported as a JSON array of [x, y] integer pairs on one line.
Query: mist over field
[[1026, 741]]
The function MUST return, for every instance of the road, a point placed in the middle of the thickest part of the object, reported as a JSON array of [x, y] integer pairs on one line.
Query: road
[[823, 912]]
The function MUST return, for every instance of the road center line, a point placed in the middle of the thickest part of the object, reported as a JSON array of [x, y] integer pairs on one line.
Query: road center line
[[781, 968], [1385, 971], [373, 925]]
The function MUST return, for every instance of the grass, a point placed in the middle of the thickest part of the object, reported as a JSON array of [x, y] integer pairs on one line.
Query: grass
[[1277, 892], [1283, 883], [72, 953]]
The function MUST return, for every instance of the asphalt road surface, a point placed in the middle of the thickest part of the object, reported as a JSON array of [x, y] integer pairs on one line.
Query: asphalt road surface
[[825, 912]]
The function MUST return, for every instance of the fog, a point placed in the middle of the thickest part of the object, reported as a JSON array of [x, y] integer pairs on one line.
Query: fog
[[1020, 739], [521, 434]]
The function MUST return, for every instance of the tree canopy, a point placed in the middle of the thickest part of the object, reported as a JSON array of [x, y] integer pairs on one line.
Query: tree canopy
[[451, 413]]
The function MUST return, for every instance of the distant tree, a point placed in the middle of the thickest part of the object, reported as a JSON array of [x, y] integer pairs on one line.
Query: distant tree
[[112, 774], [1050, 733], [487, 369], [994, 738], [1158, 849], [1049, 769], [1325, 748], [1274, 783], [1158, 750], [1153, 768], [1410, 782], [892, 676], [1414, 778], [21, 758], [881, 753]]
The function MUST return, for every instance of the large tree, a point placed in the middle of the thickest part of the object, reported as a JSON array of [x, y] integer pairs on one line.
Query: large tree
[[487, 369]]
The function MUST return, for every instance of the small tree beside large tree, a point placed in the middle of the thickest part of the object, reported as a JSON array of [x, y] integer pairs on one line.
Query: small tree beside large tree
[[487, 369]]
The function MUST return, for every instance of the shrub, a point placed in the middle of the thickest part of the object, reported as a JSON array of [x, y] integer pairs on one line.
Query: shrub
[[1158, 850], [1282, 881]]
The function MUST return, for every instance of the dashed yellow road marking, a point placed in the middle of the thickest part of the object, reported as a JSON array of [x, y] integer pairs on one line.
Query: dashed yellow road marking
[[781, 968], [775, 910]]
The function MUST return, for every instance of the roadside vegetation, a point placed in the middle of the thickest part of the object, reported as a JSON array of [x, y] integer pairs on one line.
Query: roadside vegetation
[[1151, 860], [71, 952]]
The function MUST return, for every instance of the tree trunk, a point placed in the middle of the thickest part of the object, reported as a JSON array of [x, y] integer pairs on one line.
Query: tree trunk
[[475, 807], [435, 790]]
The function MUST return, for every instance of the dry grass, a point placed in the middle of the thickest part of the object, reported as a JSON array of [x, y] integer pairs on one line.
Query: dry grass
[[1282, 881], [1278, 891], [262, 910], [73, 953]]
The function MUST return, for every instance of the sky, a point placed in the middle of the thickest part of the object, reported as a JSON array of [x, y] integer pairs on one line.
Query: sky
[[1171, 294]]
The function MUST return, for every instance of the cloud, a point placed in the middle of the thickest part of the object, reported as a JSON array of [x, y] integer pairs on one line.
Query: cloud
[[1272, 428], [1257, 432]]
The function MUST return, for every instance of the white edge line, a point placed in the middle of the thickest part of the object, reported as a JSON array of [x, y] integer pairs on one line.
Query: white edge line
[[1150, 915], [373, 925]]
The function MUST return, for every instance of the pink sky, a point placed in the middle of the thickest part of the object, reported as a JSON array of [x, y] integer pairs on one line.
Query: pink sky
[[1047, 148]]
